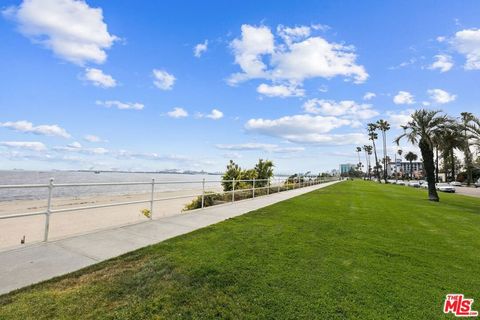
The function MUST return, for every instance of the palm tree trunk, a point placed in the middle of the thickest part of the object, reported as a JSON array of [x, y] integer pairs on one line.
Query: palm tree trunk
[[436, 165], [384, 156], [452, 156], [366, 164], [369, 167], [428, 164], [376, 160], [468, 159]]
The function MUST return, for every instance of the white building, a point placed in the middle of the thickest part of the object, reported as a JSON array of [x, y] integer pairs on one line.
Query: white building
[[403, 167]]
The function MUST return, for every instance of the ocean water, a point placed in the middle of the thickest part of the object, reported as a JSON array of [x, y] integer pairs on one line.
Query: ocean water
[[43, 177]]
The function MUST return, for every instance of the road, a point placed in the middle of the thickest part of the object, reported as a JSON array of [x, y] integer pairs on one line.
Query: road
[[473, 192]]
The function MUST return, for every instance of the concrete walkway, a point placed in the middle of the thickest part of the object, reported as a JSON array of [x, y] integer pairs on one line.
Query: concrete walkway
[[42, 261]]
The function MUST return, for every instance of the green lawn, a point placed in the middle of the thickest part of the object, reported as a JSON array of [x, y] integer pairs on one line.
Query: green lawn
[[353, 250]]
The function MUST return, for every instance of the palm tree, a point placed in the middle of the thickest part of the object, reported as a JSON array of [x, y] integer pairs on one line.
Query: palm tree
[[384, 126], [264, 169], [410, 156], [467, 122], [368, 153], [421, 130], [451, 139], [358, 150], [372, 127]]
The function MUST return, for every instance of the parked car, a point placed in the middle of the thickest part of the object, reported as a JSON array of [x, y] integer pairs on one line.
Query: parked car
[[445, 187], [401, 182], [456, 183], [414, 184], [477, 184]]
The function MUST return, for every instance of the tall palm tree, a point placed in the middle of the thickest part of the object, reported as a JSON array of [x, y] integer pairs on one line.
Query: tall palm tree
[[467, 121], [384, 126], [410, 156], [368, 153], [359, 165], [421, 130], [372, 127]]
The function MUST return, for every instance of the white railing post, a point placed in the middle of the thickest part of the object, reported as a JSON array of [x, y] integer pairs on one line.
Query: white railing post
[[253, 189], [203, 192], [233, 190], [49, 209], [151, 198]]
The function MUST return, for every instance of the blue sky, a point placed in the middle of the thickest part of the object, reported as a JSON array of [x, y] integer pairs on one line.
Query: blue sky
[[151, 85]]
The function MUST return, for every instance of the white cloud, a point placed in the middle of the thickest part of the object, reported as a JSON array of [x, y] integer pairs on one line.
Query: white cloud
[[467, 42], [369, 96], [71, 29], [316, 57], [44, 129], [404, 64], [75, 145], [253, 146], [299, 128], [294, 34], [403, 97], [120, 105], [93, 138], [296, 57], [78, 148], [398, 119], [28, 145], [281, 91], [248, 51], [200, 49], [163, 79], [305, 129], [443, 62], [346, 108], [215, 114], [441, 96], [99, 79], [98, 150], [178, 113]]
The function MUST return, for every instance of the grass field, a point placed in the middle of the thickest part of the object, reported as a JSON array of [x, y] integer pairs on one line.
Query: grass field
[[356, 250]]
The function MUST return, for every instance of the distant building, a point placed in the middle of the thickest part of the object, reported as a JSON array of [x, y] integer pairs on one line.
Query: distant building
[[403, 168], [335, 172], [345, 168]]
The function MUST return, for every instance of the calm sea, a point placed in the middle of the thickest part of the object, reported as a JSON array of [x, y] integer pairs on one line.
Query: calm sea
[[43, 177]]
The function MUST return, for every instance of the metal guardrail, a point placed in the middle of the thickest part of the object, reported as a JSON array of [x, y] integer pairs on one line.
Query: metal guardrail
[[295, 184]]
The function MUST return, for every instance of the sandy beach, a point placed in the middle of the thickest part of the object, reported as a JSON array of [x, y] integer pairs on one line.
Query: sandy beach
[[64, 224]]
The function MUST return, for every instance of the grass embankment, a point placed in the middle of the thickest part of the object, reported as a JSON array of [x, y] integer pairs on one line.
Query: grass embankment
[[354, 250]]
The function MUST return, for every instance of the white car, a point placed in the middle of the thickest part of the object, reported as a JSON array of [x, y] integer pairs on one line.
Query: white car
[[401, 182], [424, 184], [414, 184], [445, 187], [477, 184], [456, 183]]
